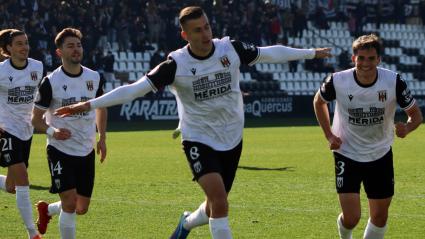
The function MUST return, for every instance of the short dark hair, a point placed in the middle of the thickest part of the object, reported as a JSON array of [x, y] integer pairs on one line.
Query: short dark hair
[[190, 13], [6, 38], [367, 42], [67, 32]]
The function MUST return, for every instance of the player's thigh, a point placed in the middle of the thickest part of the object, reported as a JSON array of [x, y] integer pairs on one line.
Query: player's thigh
[[85, 174], [213, 186], [69, 200], [379, 178], [62, 170], [229, 164], [83, 204], [13, 150], [18, 174], [201, 158], [350, 206], [378, 210], [348, 174]]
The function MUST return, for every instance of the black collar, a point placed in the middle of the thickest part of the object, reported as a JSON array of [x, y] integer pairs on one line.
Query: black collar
[[201, 57], [17, 67], [365, 85], [72, 75]]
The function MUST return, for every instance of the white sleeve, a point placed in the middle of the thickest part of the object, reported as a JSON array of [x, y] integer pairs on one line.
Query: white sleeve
[[123, 94], [279, 54]]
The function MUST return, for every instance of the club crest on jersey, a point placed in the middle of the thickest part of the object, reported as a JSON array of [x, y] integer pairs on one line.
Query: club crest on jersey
[[34, 76], [225, 61], [382, 95], [350, 97], [89, 85]]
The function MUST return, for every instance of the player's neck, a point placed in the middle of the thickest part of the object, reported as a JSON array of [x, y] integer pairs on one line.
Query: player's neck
[[366, 78], [17, 63], [201, 53], [73, 69]]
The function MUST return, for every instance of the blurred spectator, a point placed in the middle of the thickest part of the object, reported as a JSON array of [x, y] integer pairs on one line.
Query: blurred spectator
[[344, 60], [108, 67], [156, 58], [300, 23]]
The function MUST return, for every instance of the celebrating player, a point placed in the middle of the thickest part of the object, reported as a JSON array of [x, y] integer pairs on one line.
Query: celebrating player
[[204, 77], [362, 133]]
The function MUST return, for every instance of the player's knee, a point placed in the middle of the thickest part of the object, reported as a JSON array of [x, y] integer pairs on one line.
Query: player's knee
[[351, 221], [11, 189], [219, 204], [379, 219], [81, 211], [69, 206]]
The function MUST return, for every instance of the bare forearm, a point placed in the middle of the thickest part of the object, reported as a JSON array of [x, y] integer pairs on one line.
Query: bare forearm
[[322, 115], [101, 122], [414, 119]]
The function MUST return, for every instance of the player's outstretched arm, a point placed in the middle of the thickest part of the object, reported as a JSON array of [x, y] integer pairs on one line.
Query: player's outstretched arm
[[279, 54], [117, 96]]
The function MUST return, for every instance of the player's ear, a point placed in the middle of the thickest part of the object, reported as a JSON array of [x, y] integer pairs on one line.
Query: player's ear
[[58, 52], [183, 34], [353, 58]]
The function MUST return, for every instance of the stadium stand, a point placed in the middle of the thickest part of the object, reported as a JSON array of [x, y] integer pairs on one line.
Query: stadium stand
[[140, 33]]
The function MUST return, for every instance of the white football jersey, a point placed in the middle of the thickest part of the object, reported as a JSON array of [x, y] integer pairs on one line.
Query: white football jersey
[[61, 89], [364, 114], [208, 96], [18, 87]]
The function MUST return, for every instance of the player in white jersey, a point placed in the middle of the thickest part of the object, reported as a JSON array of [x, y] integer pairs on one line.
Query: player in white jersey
[[204, 77], [362, 133], [19, 78], [70, 141]]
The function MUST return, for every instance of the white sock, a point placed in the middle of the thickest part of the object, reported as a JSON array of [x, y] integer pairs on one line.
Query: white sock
[[197, 218], [25, 209], [67, 225], [374, 232], [3, 182], [54, 208], [219, 228], [344, 233]]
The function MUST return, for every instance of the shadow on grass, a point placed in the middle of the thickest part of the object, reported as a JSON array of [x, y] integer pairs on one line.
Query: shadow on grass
[[291, 169], [38, 187]]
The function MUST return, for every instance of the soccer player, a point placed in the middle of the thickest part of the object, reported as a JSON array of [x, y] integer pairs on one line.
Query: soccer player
[[19, 78], [362, 133], [204, 77], [70, 140]]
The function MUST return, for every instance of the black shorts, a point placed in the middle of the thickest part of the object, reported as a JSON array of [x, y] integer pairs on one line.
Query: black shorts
[[69, 172], [377, 176], [14, 150], [203, 159]]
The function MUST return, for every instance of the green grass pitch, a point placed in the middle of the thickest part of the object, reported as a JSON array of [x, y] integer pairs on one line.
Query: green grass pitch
[[284, 188]]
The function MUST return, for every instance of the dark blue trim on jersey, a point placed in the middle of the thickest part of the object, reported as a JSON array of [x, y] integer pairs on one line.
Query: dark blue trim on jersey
[[163, 74], [72, 75], [44, 94], [403, 95], [327, 89], [248, 53], [365, 85], [201, 57], [17, 67]]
